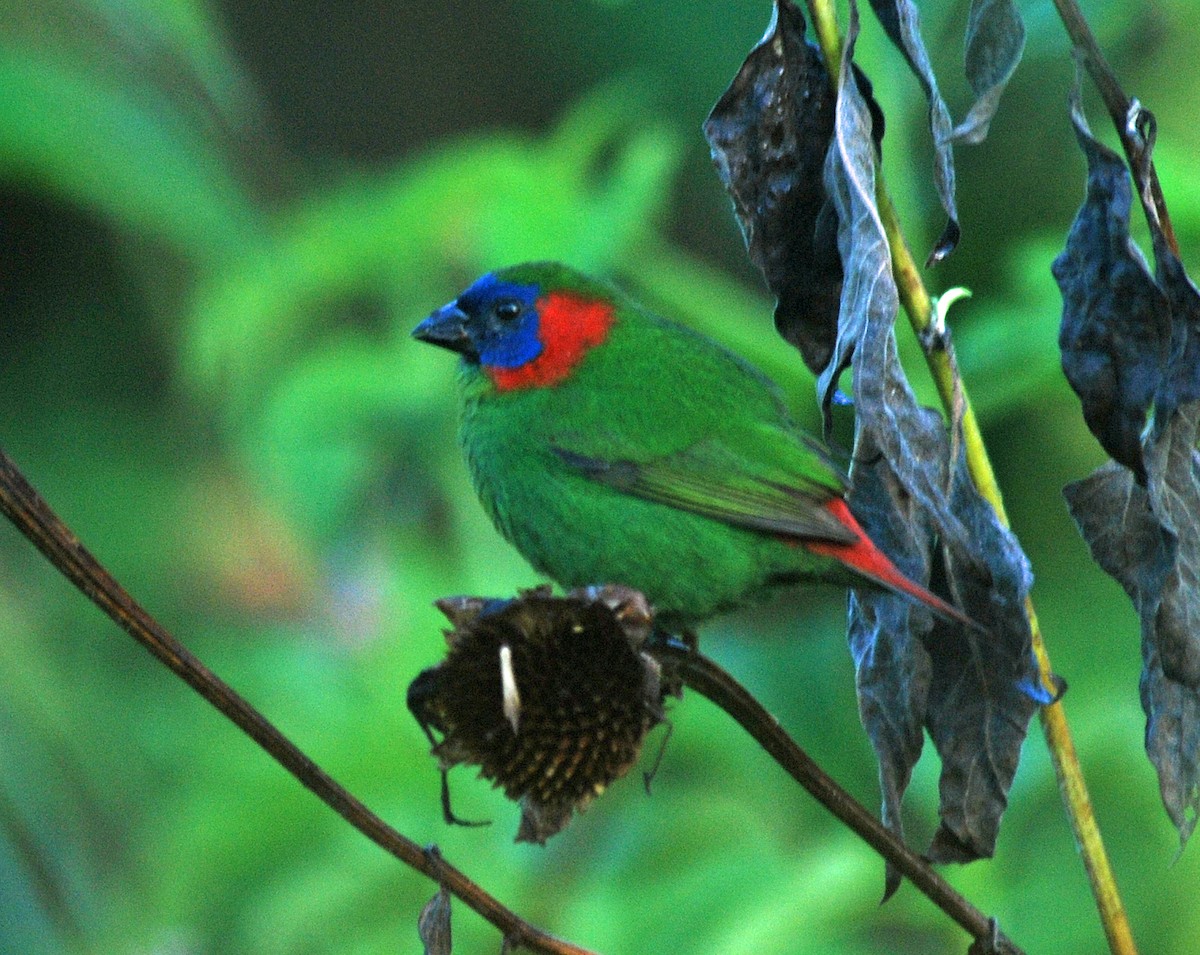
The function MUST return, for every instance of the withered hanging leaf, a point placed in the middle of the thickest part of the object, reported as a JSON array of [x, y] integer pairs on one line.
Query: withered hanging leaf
[[1116, 333], [971, 690], [769, 134], [1140, 514], [1174, 490], [1181, 383], [986, 686], [1173, 741], [975, 692], [550, 696], [1148, 539], [902, 23], [870, 294], [995, 40], [994, 44], [433, 924], [892, 666]]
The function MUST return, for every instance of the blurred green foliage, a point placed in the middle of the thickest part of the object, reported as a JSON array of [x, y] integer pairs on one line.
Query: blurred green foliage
[[217, 226]]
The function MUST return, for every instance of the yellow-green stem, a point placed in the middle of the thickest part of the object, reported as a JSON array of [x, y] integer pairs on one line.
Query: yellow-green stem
[[916, 302], [915, 299], [919, 308]]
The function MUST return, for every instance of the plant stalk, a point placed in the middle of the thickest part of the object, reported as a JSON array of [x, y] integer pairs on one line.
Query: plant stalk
[[717, 685], [1118, 104], [916, 302], [1055, 728]]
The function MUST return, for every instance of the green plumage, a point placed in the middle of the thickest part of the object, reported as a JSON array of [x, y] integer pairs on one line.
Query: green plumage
[[661, 461]]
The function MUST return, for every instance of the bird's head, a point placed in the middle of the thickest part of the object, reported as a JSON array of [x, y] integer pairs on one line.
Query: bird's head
[[527, 326]]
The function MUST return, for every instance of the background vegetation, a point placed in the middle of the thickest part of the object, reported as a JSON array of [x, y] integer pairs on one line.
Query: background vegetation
[[219, 222]]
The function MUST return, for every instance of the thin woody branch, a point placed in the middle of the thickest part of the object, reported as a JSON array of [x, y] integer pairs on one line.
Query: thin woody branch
[[1121, 109], [716, 684], [22, 505]]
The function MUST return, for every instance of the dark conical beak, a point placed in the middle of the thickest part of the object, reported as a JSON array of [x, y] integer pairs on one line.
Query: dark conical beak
[[447, 327]]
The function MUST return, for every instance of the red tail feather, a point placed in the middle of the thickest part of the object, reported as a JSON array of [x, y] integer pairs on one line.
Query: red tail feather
[[864, 558]]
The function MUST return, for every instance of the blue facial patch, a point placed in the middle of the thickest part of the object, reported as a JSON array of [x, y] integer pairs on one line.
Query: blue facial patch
[[515, 346], [503, 344], [488, 290]]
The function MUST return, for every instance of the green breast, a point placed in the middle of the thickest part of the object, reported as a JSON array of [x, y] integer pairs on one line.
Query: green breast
[[581, 532]]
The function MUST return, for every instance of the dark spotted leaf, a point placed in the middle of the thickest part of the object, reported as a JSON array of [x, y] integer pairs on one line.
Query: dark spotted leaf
[[1115, 333], [973, 691], [433, 924], [769, 134], [902, 23], [1131, 343]]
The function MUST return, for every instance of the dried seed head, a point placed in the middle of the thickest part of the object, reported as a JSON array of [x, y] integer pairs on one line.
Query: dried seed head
[[550, 696]]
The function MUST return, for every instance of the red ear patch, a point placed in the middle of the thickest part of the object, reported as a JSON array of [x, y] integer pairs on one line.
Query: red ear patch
[[568, 327]]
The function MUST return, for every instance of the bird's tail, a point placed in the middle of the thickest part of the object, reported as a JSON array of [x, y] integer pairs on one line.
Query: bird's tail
[[867, 560]]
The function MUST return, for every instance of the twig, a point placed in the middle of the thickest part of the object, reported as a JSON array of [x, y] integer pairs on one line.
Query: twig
[[710, 680], [1118, 104], [22, 505], [957, 402]]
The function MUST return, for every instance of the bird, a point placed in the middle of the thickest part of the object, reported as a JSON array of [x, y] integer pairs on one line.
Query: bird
[[612, 446]]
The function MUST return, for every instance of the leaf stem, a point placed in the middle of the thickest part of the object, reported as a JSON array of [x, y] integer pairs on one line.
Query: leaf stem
[[916, 302], [32, 516], [717, 685]]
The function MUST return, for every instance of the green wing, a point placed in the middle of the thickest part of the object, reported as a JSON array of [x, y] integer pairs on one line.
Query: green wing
[[717, 481], [664, 414]]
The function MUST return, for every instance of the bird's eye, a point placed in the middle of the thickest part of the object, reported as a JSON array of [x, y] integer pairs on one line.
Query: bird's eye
[[507, 310]]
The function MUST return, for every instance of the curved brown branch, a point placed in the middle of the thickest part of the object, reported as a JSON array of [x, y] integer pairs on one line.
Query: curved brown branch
[[711, 681], [1120, 108], [22, 505]]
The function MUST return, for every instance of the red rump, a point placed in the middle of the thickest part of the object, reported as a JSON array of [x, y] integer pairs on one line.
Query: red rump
[[863, 556], [568, 326]]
